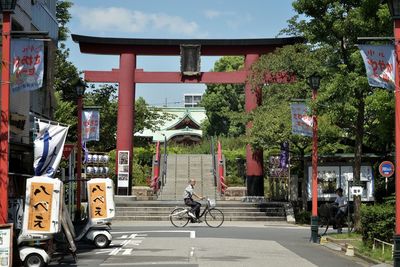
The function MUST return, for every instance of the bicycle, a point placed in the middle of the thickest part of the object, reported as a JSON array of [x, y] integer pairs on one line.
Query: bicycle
[[213, 217], [327, 217]]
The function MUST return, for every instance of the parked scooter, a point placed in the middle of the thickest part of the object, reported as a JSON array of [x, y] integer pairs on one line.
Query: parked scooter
[[35, 249], [42, 219], [101, 209]]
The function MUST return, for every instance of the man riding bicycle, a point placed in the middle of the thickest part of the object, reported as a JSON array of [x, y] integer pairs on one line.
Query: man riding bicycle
[[341, 206], [188, 198]]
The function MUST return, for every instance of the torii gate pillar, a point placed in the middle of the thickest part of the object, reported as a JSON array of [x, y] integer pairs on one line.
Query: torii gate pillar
[[126, 110], [254, 159]]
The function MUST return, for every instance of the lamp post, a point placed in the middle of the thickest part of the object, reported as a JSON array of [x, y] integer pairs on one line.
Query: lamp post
[[313, 82], [80, 91], [6, 8], [394, 8]]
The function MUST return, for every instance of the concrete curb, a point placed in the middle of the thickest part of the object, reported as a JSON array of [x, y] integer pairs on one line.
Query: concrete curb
[[337, 242]]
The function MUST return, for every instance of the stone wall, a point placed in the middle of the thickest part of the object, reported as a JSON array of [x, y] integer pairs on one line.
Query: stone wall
[[235, 193]]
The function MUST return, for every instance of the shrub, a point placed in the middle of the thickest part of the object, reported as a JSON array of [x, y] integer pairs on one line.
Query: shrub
[[303, 217], [377, 222]]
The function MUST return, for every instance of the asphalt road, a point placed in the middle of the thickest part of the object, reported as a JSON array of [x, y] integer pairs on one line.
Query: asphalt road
[[233, 244]]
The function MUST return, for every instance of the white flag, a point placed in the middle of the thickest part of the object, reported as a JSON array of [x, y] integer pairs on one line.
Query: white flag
[[380, 65], [301, 122], [49, 145], [27, 68], [90, 125]]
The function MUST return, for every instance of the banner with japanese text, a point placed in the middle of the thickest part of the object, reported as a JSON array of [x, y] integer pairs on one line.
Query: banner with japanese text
[[90, 125], [49, 146], [42, 205], [379, 61], [100, 199], [301, 122], [27, 66]]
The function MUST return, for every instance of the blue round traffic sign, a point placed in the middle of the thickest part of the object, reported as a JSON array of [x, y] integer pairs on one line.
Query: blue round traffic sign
[[386, 168]]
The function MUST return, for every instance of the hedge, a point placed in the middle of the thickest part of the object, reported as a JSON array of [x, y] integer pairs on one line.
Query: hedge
[[378, 221]]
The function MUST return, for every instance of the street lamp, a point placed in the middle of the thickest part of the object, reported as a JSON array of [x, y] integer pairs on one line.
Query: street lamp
[[80, 91], [6, 8], [394, 8], [313, 82]]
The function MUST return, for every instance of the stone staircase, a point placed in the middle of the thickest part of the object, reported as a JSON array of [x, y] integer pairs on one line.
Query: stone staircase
[[182, 167], [128, 209]]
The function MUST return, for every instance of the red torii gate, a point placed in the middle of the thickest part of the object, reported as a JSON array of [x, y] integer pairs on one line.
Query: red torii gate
[[127, 76]]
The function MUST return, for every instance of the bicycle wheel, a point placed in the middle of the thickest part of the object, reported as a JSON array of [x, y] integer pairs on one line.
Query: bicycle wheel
[[214, 218], [324, 224], [349, 223], [179, 217]]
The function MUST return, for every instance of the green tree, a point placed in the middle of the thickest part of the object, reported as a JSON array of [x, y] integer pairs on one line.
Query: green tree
[[63, 16], [106, 98], [224, 103], [335, 26], [272, 120], [66, 74]]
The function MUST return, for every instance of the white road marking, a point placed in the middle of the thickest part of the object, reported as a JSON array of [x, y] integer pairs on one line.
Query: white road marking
[[104, 251], [127, 251], [192, 234]]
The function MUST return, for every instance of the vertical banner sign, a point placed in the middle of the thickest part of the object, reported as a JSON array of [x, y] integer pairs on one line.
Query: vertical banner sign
[[27, 65], [98, 198], [284, 155], [301, 122], [42, 205], [379, 61], [123, 168], [49, 145], [90, 125], [101, 199], [40, 208]]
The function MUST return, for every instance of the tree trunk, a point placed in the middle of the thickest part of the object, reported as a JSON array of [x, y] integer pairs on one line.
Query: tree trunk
[[359, 131]]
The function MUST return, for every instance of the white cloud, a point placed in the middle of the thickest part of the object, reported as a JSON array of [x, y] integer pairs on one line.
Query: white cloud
[[212, 14], [131, 21]]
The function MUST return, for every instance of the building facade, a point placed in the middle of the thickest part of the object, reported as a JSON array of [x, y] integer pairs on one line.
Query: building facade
[[192, 100], [34, 19], [184, 126]]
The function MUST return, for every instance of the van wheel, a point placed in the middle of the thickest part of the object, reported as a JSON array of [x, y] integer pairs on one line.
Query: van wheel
[[34, 260], [101, 241]]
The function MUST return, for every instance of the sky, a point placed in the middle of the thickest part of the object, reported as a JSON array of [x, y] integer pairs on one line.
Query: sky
[[175, 19]]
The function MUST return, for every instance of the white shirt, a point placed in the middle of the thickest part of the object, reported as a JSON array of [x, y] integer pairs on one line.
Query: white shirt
[[188, 192], [342, 202]]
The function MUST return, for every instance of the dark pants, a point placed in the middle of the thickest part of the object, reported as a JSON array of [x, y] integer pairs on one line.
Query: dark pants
[[194, 205]]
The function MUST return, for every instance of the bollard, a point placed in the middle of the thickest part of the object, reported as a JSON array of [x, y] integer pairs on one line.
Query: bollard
[[314, 229], [396, 251], [349, 250]]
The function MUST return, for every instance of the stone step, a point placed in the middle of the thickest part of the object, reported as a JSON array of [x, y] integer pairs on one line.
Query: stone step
[[129, 201], [226, 214], [223, 208], [166, 218]]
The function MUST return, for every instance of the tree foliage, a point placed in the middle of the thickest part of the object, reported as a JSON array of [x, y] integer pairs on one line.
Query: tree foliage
[[66, 74], [224, 103], [345, 98]]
